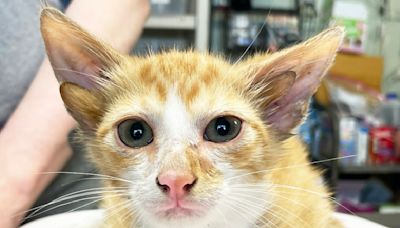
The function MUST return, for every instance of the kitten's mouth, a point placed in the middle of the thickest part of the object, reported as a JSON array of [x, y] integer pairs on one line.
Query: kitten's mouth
[[177, 212], [179, 209]]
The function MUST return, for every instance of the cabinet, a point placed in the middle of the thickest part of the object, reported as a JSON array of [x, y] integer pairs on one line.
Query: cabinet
[[179, 24]]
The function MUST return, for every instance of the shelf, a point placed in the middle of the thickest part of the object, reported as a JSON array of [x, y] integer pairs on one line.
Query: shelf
[[173, 22], [271, 11], [293, 12], [370, 169]]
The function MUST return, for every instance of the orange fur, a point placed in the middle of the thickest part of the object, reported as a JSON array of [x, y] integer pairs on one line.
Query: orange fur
[[208, 87]]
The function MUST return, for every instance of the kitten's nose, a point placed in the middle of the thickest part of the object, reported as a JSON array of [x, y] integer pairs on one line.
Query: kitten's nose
[[176, 185]]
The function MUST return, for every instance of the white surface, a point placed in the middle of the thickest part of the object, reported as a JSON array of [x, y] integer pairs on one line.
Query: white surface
[[350, 221], [93, 219], [77, 219]]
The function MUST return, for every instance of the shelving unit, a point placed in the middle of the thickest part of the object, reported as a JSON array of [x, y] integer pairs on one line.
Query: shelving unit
[[189, 29], [184, 22], [295, 11], [234, 26], [388, 174], [370, 169]]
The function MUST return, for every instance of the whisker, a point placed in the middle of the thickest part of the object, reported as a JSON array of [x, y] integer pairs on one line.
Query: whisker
[[302, 191], [60, 199], [290, 213], [222, 215], [239, 201], [91, 190], [102, 197], [37, 213], [290, 167], [116, 208], [128, 215], [138, 217], [235, 209], [272, 193], [316, 193], [252, 42], [91, 174], [87, 194], [270, 203], [279, 218], [286, 186]]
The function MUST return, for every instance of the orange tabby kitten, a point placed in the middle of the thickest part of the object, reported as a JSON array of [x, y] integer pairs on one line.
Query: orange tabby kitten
[[192, 140]]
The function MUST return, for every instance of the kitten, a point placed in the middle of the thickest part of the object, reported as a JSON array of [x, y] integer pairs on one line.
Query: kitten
[[192, 140]]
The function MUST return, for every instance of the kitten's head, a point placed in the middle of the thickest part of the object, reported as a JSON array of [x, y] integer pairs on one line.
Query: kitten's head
[[188, 130]]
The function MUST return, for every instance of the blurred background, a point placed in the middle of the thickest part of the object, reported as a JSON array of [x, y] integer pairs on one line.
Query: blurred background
[[355, 116]]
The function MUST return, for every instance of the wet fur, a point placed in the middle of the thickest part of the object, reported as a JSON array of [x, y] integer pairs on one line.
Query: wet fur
[[263, 173]]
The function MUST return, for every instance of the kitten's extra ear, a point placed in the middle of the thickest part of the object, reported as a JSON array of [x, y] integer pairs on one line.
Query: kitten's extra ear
[[76, 56], [287, 79], [80, 63]]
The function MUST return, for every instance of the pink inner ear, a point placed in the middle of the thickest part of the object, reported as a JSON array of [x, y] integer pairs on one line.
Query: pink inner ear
[[86, 77], [288, 111], [83, 71]]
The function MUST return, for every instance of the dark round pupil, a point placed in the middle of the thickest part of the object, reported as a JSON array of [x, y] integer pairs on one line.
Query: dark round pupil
[[137, 131], [222, 126]]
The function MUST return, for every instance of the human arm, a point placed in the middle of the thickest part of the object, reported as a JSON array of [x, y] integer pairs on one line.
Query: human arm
[[34, 139]]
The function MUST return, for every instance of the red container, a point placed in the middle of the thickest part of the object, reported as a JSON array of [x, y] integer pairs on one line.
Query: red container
[[397, 145], [382, 145]]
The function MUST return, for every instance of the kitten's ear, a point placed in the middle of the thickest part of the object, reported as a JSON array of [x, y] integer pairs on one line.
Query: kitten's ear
[[287, 79], [80, 63], [75, 55]]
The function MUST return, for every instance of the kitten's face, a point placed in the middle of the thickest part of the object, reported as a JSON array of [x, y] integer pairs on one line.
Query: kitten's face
[[194, 123], [193, 135]]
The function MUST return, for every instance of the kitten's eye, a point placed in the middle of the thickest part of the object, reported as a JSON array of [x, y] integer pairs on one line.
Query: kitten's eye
[[223, 129], [135, 133]]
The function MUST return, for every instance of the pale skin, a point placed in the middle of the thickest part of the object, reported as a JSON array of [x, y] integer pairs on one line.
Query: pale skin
[[34, 139]]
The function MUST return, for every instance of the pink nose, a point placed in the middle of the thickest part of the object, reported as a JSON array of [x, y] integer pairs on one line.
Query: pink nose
[[174, 184]]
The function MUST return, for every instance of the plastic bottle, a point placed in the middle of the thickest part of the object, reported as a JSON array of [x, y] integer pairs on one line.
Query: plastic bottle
[[382, 138], [374, 123], [391, 115], [362, 143], [390, 110]]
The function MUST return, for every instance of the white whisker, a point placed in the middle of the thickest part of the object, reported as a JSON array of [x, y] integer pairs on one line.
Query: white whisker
[[92, 174], [270, 203], [272, 193], [37, 213], [290, 167], [252, 42]]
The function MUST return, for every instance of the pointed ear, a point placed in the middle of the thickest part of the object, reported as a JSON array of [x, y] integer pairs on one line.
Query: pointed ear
[[80, 63], [75, 55], [286, 80]]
